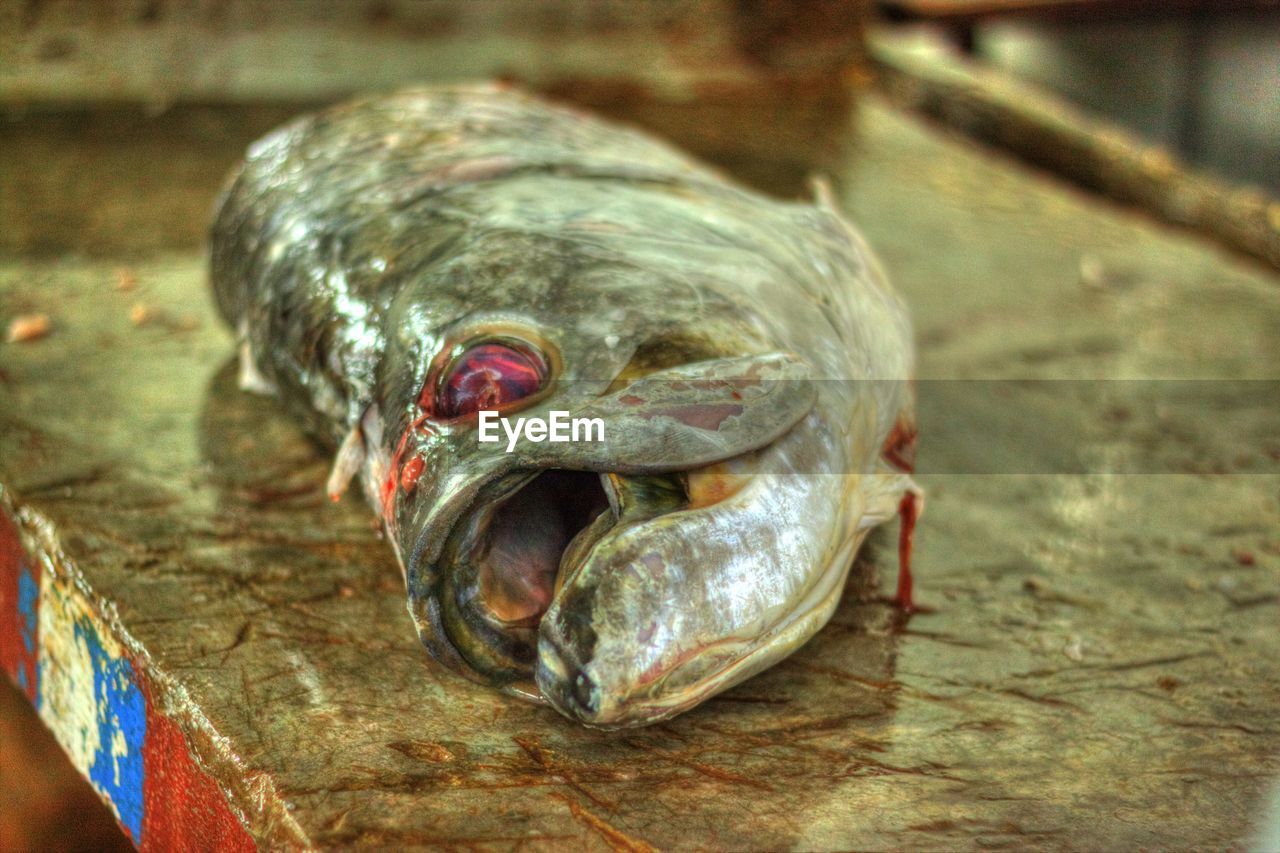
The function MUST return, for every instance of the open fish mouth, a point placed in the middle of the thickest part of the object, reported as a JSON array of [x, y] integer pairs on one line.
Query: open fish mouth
[[518, 563], [624, 595], [516, 548]]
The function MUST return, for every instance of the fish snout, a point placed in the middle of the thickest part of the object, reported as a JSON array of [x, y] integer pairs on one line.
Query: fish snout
[[617, 647], [563, 681]]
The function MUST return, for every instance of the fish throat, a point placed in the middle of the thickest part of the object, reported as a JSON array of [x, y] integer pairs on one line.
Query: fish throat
[[507, 557]]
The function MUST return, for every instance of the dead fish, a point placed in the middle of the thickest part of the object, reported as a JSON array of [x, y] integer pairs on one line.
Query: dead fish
[[396, 265]]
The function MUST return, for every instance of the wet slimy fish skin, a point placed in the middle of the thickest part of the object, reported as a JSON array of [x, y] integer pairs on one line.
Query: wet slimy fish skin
[[398, 263]]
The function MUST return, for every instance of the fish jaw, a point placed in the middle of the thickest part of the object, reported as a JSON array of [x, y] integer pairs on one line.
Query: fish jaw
[[486, 536], [666, 588], [664, 613]]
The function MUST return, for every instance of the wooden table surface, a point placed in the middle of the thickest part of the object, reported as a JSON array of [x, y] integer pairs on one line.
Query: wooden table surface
[[227, 656]]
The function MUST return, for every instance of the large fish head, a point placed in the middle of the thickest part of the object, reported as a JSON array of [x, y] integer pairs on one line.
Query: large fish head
[[622, 578]]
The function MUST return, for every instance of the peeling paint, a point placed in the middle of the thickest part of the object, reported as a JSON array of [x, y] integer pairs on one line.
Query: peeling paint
[[117, 768], [89, 698], [95, 700], [19, 604]]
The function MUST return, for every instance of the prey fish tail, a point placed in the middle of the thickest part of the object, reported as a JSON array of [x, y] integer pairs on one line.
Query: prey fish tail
[[402, 268]]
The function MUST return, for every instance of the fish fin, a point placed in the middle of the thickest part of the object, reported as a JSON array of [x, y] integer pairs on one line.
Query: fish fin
[[377, 460], [251, 379], [823, 194], [349, 460], [825, 198], [882, 491]]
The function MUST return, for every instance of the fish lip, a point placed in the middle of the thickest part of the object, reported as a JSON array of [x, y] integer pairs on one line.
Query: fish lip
[[433, 591], [567, 686], [424, 567]]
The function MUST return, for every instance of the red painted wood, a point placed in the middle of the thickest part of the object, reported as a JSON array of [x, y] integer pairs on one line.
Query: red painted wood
[[19, 627], [183, 807]]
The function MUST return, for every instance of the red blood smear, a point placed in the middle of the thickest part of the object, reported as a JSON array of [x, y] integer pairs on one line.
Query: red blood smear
[[488, 376], [707, 417], [412, 471], [900, 447], [389, 484], [908, 512]]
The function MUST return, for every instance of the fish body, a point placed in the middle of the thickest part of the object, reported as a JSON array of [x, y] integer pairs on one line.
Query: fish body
[[397, 265]]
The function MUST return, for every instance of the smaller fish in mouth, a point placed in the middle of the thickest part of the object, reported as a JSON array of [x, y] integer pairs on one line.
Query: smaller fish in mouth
[[399, 264]]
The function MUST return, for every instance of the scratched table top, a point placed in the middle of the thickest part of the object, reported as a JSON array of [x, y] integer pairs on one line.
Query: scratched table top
[[222, 651]]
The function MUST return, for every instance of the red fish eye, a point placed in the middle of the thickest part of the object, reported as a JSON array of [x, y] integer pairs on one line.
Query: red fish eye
[[489, 376]]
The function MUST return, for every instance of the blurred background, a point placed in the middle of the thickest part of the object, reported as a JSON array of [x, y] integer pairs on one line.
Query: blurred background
[[119, 119], [1199, 77], [761, 87]]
